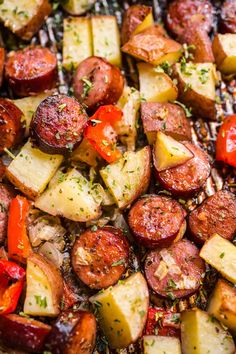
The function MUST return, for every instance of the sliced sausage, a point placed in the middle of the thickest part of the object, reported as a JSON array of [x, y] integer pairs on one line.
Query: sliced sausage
[[176, 271], [11, 129], [6, 195], [58, 124], [189, 177], [133, 17], [166, 117], [31, 70], [100, 257], [199, 38], [97, 82], [23, 333], [182, 12], [155, 221], [228, 17], [73, 333], [216, 214], [2, 62]]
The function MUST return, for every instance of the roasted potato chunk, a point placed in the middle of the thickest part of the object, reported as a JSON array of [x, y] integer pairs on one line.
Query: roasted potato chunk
[[199, 44], [202, 334], [222, 304], [77, 7], [155, 86], [24, 18], [196, 85], [153, 47], [166, 117], [161, 344], [136, 19], [224, 49]]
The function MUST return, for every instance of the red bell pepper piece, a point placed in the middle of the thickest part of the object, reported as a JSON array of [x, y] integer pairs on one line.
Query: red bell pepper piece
[[226, 141], [11, 284], [19, 246], [101, 133], [162, 322], [69, 297]]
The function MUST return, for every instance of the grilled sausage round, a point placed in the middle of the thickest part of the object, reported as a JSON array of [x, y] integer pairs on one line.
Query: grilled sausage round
[[100, 257], [133, 17], [73, 333], [6, 195], [11, 129], [97, 82], [176, 271], [23, 333], [155, 221], [228, 17], [217, 214], [182, 12], [31, 70], [187, 178], [58, 124]]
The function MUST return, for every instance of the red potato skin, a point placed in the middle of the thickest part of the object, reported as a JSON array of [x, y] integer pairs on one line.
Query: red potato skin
[[217, 214], [186, 179], [228, 17], [133, 17], [23, 333], [31, 70], [156, 220], [197, 36], [2, 63], [58, 124], [166, 117], [182, 13], [11, 129], [105, 246], [6, 195], [107, 83], [186, 256], [73, 333]]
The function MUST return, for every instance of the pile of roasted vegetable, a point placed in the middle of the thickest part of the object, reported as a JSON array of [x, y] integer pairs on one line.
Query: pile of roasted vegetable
[[101, 249]]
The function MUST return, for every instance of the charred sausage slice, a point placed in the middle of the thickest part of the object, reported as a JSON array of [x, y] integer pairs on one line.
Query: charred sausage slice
[[228, 17], [217, 214], [31, 70], [11, 129], [166, 117], [100, 257], [6, 195], [176, 271], [133, 17], [23, 333], [73, 333], [97, 82], [182, 12], [58, 124], [156, 220], [187, 178]]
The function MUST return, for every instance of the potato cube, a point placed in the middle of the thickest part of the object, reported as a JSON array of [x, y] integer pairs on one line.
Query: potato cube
[[32, 169], [223, 304], [77, 41], [224, 49], [220, 254], [161, 344], [106, 38], [155, 86], [202, 334]]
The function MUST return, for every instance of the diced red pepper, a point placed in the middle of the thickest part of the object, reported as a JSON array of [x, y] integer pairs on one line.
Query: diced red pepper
[[12, 278], [162, 322], [101, 133], [226, 141], [19, 246]]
